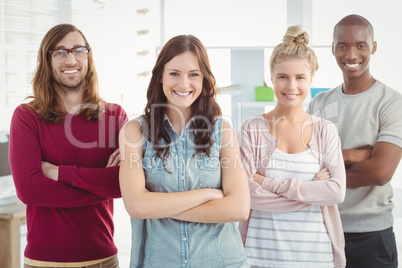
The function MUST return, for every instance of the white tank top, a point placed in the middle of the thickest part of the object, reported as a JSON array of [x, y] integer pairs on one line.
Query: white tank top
[[289, 239]]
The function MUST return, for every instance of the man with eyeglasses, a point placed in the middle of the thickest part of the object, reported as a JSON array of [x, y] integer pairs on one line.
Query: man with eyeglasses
[[64, 157]]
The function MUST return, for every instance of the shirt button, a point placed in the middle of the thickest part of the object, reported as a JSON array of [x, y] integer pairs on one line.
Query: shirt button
[[182, 177], [184, 239], [185, 261]]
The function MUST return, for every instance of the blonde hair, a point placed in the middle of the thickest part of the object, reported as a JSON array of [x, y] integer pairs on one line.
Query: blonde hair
[[294, 46]]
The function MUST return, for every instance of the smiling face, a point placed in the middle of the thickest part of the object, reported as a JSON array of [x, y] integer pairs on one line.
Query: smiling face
[[352, 47], [182, 81], [291, 79], [69, 75]]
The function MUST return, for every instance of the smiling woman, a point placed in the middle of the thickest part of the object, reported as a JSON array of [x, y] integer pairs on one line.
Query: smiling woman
[[297, 182], [182, 83], [292, 80], [188, 190]]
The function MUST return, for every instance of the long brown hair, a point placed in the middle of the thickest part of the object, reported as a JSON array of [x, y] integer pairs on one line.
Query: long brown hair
[[46, 103], [204, 109]]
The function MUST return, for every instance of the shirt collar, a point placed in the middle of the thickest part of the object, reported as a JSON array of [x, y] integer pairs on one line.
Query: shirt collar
[[168, 123]]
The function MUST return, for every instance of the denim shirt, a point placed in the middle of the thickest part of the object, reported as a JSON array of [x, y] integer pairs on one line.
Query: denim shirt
[[172, 243]]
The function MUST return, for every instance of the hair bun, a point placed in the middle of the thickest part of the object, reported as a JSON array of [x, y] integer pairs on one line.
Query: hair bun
[[296, 35], [294, 46]]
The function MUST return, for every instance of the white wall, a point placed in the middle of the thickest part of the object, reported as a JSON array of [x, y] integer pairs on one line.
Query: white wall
[[237, 23], [385, 16]]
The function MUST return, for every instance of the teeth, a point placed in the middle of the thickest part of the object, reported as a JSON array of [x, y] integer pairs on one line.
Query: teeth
[[352, 65], [292, 96], [70, 71], [183, 93]]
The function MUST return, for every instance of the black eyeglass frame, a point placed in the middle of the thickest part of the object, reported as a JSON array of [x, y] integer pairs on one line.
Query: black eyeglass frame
[[69, 50]]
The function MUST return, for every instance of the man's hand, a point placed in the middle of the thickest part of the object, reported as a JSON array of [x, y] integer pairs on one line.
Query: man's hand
[[351, 156], [51, 171], [376, 166], [114, 159]]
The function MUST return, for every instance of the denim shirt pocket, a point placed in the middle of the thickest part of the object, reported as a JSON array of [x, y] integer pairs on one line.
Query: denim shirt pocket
[[154, 173], [209, 171]]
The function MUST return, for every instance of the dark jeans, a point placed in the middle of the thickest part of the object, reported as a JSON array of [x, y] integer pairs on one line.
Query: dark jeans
[[112, 262], [371, 249]]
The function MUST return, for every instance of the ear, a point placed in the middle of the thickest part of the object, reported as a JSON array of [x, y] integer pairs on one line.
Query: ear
[[333, 49], [374, 49], [272, 80]]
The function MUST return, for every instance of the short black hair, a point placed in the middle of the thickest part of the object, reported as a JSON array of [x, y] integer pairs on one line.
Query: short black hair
[[355, 19]]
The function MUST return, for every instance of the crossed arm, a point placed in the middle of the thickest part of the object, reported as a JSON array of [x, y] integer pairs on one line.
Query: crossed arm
[[52, 171], [99, 181], [371, 166], [200, 205], [33, 187], [323, 191], [292, 194], [39, 183], [322, 175]]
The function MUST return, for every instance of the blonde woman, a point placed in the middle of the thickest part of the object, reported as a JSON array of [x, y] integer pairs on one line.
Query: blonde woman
[[295, 171]]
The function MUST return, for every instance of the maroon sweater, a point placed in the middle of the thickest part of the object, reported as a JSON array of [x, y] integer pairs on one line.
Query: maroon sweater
[[69, 220]]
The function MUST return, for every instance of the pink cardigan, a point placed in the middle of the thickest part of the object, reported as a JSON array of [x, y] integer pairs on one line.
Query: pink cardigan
[[292, 194]]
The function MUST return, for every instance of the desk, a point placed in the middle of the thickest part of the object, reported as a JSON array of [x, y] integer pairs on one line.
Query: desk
[[11, 218]]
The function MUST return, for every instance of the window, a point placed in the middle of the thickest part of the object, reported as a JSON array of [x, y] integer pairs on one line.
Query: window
[[22, 26]]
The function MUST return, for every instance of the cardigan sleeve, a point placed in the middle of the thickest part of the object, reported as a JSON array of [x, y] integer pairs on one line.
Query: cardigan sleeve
[[103, 182], [33, 188], [261, 199], [327, 148]]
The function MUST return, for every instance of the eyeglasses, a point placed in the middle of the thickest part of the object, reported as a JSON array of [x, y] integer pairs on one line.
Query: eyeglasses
[[60, 55]]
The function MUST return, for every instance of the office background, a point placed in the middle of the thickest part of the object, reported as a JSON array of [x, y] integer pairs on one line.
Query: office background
[[126, 36]]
